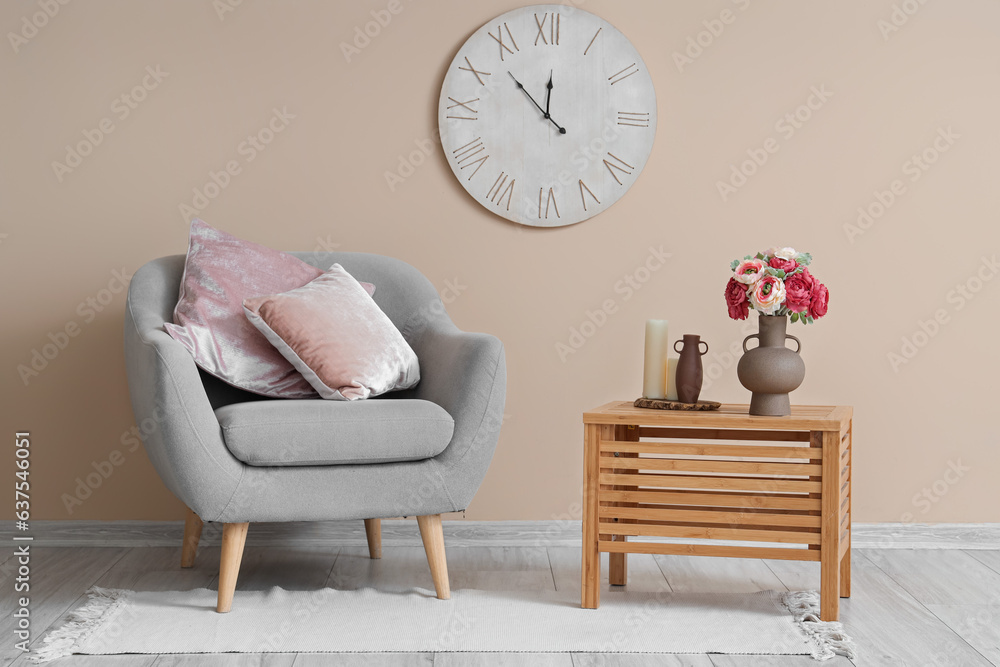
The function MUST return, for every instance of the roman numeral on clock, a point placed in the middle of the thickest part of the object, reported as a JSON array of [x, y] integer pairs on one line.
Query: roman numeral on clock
[[618, 77], [474, 71], [467, 110], [633, 118], [497, 190], [464, 156], [583, 187], [498, 38], [553, 21], [619, 164], [550, 201], [592, 40]]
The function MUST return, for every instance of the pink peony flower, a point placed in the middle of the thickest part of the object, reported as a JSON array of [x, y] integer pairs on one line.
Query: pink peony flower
[[786, 265], [736, 300], [749, 271], [799, 291], [768, 294], [820, 300]]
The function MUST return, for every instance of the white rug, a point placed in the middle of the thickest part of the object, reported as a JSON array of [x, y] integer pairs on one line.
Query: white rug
[[332, 621]]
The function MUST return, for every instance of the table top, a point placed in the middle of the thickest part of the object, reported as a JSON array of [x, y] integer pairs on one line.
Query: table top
[[803, 417]]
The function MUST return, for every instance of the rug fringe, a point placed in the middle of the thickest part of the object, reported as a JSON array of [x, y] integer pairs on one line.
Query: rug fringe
[[81, 623], [828, 637]]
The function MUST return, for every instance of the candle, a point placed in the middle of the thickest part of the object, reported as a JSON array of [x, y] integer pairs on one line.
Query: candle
[[654, 368], [672, 379]]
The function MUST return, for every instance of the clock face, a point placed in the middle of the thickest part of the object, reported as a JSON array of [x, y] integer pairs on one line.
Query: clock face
[[547, 115]]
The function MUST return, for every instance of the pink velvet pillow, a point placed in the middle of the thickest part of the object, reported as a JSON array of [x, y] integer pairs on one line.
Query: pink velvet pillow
[[219, 273], [337, 337]]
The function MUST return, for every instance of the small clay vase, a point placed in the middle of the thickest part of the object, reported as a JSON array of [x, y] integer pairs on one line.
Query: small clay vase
[[771, 370], [689, 371]]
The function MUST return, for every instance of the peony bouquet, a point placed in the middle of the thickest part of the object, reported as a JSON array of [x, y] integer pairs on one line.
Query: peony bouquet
[[776, 282]]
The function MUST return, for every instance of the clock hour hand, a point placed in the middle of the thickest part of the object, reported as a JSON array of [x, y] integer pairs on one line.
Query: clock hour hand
[[548, 94], [545, 114]]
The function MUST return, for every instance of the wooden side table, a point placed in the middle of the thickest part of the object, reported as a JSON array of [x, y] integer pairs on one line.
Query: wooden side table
[[781, 480]]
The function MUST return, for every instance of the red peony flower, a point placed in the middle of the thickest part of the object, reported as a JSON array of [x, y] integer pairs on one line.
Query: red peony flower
[[736, 299], [820, 300], [799, 291], [786, 265]]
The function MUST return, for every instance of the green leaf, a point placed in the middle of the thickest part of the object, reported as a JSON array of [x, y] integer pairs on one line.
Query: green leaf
[[732, 267], [759, 255], [746, 257], [804, 258], [795, 317]]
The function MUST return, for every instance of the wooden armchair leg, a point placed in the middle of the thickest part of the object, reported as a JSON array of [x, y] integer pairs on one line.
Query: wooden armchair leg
[[192, 533], [234, 537], [373, 531], [433, 537]]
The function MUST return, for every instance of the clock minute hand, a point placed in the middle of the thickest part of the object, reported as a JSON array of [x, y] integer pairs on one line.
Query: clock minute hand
[[562, 130]]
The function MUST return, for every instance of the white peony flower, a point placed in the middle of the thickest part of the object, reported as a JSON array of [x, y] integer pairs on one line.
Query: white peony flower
[[749, 271], [768, 294]]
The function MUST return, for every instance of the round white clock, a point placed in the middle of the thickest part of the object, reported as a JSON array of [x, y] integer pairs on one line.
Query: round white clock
[[547, 115]]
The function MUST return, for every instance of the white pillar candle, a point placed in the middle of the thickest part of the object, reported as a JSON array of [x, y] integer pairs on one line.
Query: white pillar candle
[[672, 379], [654, 369]]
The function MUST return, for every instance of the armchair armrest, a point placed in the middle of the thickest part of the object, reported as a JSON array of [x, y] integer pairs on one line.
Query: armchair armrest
[[466, 374], [182, 438]]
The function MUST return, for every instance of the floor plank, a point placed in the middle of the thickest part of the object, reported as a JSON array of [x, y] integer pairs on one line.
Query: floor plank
[[977, 624], [500, 568], [639, 660], [98, 661], [399, 569], [888, 626], [503, 660], [300, 569], [364, 659], [7, 566], [404, 568], [990, 559], [159, 569], [706, 574], [939, 576], [643, 573], [225, 660], [59, 577], [776, 661]]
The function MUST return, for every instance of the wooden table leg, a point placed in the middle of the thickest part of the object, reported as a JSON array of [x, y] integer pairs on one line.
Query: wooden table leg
[[618, 562], [845, 574], [591, 568], [830, 531], [845, 561]]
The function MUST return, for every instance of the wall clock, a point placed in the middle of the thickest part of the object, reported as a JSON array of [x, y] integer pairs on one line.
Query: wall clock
[[547, 115]]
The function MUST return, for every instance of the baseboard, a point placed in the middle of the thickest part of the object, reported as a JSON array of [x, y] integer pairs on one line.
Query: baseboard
[[404, 532]]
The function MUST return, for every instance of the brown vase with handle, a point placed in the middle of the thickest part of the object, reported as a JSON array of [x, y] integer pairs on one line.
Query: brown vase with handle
[[771, 370], [689, 370]]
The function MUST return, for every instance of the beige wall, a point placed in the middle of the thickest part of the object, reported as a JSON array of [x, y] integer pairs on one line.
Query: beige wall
[[322, 181]]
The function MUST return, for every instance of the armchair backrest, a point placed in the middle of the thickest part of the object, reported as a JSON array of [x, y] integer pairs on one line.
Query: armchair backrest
[[401, 291]]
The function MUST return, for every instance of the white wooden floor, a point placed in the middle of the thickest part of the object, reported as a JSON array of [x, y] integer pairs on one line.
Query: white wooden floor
[[909, 607]]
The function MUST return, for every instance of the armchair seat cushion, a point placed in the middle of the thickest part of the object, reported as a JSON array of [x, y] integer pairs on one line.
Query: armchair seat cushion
[[312, 432]]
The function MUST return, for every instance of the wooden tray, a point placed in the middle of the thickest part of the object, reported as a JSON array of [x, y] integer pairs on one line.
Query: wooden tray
[[663, 404]]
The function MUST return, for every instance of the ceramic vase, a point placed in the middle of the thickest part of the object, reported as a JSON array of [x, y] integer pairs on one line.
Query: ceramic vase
[[689, 369], [771, 370]]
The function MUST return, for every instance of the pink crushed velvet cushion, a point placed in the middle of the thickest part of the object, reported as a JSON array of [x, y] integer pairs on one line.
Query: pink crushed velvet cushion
[[219, 273], [337, 337]]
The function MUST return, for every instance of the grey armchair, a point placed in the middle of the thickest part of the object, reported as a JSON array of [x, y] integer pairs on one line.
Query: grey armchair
[[236, 458]]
